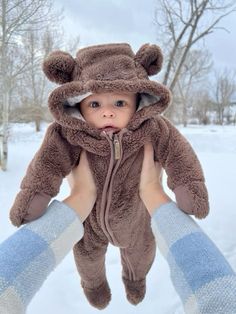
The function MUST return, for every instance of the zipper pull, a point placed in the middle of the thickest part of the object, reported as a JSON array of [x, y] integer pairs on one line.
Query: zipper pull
[[116, 145]]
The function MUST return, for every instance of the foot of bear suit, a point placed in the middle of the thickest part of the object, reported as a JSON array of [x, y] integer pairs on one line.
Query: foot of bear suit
[[100, 296], [135, 290]]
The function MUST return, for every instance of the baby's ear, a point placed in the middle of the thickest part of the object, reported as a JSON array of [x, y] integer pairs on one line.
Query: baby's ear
[[59, 66], [150, 57]]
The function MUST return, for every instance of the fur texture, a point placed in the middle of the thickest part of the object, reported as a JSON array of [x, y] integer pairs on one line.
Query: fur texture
[[119, 216]]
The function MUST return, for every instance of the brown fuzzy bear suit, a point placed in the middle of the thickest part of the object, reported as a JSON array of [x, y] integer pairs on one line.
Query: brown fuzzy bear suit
[[118, 216]]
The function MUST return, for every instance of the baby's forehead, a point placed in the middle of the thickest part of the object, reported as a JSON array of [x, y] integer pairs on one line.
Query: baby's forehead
[[113, 94], [130, 97]]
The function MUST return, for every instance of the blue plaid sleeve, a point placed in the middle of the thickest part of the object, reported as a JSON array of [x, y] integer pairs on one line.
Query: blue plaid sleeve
[[202, 277], [31, 253]]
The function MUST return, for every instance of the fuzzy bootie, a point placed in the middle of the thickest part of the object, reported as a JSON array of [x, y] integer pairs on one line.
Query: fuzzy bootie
[[98, 297], [135, 290]]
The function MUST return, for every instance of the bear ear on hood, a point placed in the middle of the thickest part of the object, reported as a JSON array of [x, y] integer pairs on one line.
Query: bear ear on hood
[[150, 57], [59, 67]]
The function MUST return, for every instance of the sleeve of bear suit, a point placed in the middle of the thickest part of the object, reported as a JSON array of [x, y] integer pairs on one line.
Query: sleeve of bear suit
[[202, 277], [184, 171], [53, 161]]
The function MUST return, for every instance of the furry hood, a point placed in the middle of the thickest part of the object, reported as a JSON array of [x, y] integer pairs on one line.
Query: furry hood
[[105, 68]]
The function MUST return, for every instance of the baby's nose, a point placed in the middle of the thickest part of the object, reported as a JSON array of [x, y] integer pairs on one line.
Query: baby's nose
[[108, 114]]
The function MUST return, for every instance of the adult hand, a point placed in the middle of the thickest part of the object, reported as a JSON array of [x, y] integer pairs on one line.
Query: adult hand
[[83, 189], [150, 189], [81, 179]]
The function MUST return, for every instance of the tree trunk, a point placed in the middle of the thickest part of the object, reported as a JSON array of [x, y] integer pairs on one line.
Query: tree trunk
[[37, 124], [5, 91], [185, 114], [0, 150], [4, 149], [221, 116]]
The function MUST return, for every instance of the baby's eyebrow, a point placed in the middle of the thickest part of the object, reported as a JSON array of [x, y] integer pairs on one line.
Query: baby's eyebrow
[[90, 100], [121, 98]]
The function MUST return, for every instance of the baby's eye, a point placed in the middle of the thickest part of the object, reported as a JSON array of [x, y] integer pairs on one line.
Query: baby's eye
[[120, 103], [94, 104]]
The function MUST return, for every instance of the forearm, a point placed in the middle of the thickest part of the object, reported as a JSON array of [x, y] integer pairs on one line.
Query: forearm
[[200, 274], [45, 242]]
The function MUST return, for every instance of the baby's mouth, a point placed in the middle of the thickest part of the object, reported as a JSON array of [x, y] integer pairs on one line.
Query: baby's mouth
[[109, 129]]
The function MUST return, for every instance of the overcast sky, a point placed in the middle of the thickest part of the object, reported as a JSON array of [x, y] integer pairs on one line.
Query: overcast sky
[[106, 21]]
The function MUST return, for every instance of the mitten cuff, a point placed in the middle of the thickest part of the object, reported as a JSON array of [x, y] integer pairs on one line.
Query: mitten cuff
[[193, 200], [37, 206], [28, 206]]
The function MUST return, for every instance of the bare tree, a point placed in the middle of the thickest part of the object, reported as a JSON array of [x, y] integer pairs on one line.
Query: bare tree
[[224, 89], [202, 105], [17, 17], [72, 45], [195, 69], [183, 23], [35, 87]]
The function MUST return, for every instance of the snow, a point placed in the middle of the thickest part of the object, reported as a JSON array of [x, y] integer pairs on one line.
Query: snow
[[61, 293]]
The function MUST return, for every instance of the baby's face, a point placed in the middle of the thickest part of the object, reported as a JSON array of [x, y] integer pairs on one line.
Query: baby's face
[[106, 111]]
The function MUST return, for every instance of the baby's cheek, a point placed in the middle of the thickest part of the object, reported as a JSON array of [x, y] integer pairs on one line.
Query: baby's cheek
[[92, 120]]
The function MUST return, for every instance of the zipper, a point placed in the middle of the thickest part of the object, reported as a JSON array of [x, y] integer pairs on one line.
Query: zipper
[[105, 188], [116, 155], [117, 147]]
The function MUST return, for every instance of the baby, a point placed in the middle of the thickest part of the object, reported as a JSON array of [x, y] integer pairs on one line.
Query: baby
[[108, 106]]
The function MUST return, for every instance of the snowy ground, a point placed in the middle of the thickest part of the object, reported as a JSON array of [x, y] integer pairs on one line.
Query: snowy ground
[[62, 294]]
